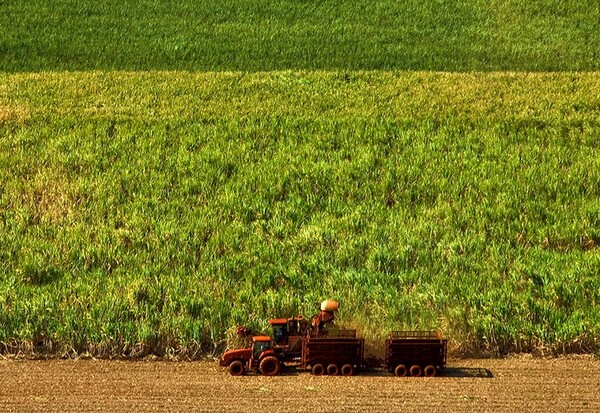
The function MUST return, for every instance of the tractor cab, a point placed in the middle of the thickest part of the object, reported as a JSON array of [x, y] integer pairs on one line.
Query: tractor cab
[[260, 345], [264, 358]]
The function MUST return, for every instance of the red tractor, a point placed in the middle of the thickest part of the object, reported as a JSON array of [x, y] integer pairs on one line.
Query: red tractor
[[260, 357], [266, 354]]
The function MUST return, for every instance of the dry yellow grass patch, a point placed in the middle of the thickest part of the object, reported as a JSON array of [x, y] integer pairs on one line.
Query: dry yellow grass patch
[[49, 198], [13, 114]]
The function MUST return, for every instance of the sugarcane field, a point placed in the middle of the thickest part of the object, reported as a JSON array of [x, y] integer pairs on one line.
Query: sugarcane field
[[299, 205]]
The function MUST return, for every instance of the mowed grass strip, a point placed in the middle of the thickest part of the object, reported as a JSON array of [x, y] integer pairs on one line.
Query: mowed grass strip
[[261, 35], [151, 212]]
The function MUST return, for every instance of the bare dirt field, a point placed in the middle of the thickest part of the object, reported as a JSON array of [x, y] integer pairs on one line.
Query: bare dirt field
[[520, 384]]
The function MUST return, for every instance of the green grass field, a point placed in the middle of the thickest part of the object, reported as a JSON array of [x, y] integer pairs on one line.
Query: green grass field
[[261, 35], [150, 212], [169, 170]]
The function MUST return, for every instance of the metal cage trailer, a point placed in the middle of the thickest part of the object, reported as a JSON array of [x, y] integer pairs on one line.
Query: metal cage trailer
[[337, 352], [416, 353]]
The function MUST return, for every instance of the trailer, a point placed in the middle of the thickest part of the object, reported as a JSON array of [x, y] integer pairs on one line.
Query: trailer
[[337, 352], [416, 353]]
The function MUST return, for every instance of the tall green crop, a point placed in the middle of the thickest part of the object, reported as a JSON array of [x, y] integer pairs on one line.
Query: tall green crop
[[151, 212]]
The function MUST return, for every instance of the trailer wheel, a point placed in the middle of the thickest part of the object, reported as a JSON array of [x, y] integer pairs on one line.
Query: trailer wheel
[[270, 366], [416, 371], [347, 370], [400, 370], [333, 370], [318, 369], [430, 371], [236, 368]]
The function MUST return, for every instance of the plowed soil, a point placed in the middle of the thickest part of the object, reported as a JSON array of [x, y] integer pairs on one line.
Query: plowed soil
[[510, 385]]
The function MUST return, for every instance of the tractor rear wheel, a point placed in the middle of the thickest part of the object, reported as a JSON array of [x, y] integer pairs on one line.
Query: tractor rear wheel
[[318, 369], [270, 366], [236, 368]]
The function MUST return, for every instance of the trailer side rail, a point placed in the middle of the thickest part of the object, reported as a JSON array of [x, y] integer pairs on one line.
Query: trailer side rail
[[333, 334], [415, 335]]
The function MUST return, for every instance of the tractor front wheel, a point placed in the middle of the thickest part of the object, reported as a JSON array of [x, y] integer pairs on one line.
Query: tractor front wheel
[[236, 368], [270, 366]]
